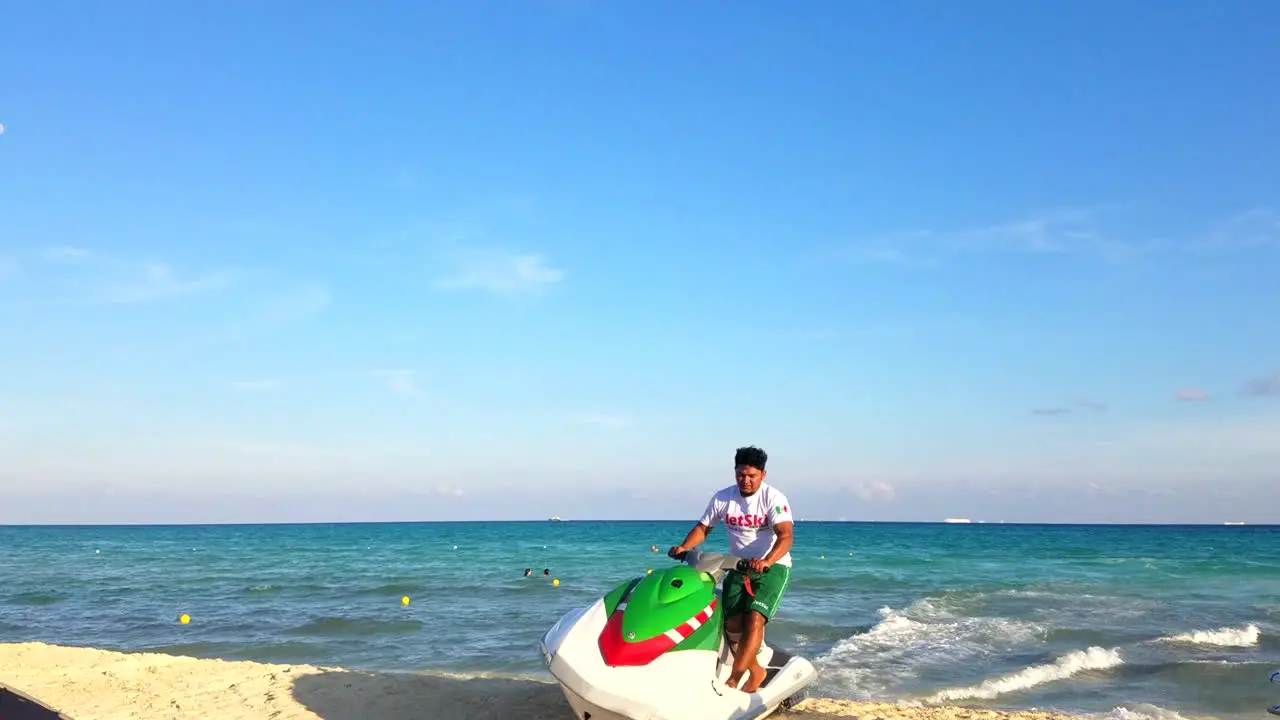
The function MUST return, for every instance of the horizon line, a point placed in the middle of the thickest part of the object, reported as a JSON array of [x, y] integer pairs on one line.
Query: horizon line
[[633, 520]]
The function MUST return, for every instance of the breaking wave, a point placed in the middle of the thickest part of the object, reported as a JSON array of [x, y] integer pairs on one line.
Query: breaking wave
[[1144, 711], [925, 628], [1094, 658], [1246, 636], [925, 637]]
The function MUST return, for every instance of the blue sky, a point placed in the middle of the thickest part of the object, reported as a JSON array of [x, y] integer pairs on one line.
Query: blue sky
[[428, 261]]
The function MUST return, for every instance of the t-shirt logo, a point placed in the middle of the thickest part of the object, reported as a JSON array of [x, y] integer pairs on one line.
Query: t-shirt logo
[[780, 508], [746, 521]]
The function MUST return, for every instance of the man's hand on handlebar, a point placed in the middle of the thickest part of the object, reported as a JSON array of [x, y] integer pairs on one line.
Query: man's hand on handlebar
[[758, 565], [676, 551]]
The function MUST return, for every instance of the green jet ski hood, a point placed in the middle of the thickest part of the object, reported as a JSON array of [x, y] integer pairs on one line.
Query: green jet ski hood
[[671, 610]]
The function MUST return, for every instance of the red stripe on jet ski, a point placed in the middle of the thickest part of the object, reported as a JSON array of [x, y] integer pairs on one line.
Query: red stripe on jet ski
[[618, 652]]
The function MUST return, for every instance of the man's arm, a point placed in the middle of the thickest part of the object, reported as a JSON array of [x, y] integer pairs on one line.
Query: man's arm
[[785, 537], [698, 533], [779, 517]]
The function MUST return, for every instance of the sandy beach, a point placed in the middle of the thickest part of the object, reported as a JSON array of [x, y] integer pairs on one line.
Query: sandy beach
[[91, 684]]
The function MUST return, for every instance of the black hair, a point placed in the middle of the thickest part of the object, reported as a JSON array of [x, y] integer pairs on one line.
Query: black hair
[[751, 455]]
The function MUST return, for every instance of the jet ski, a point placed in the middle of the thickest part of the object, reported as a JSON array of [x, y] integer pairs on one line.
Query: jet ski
[[654, 648], [1275, 678]]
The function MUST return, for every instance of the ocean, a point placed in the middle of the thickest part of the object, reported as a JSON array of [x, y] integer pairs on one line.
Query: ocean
[[1112, 621]]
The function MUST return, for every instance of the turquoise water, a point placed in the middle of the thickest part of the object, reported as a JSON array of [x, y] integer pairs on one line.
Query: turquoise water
[[1122, 621]]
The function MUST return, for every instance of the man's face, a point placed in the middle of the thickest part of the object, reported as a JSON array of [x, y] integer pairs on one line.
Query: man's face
[[749, 478]]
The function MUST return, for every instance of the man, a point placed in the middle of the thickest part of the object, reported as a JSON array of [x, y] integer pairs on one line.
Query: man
[[758, 518]]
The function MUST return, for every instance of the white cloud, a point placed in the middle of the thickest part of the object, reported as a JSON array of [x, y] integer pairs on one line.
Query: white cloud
[[289, 306], [1071, 231], [156, 281], [605, 421], [1192, 394], [1185, 448], [399, 381], [67, 254], [441, 491], [257, 385], [1257, 228], [1090, 405], [1076, 231], [295, 305], [233, 464], [874, 491], [97, 277], [1264, 386], [499, 271], [281, 308], [300, 303], [1039, 232]]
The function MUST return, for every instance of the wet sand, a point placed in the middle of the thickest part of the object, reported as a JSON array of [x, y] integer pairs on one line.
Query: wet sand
[[92, 684]]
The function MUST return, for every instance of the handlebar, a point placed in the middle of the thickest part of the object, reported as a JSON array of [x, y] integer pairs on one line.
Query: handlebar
[[743, 565]]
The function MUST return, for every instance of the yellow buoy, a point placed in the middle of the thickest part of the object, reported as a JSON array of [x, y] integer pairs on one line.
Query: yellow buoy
[[184, 618], [650, 571], [404, 600], [556, 581]]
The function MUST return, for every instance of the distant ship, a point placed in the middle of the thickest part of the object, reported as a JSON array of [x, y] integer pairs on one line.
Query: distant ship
[[956, 520], [556, 518], [1230, 522]]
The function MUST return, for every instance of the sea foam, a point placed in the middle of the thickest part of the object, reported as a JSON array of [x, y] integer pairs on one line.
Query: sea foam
[[1246, 636], [1094, 658]]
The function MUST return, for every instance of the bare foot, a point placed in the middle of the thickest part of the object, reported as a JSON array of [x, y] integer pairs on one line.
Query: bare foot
[[756, 679], [734, 679]]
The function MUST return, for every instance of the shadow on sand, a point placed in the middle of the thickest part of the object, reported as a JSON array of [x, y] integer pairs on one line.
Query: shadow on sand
[[354, 695]]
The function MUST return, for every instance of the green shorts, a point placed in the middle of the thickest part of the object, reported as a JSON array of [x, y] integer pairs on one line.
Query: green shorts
[[767, 588]]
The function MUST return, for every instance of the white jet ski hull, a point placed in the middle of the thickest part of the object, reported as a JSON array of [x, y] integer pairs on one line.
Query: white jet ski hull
[[684, 685]]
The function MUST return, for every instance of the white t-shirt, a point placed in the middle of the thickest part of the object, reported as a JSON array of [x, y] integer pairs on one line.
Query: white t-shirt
[[749, 520]]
